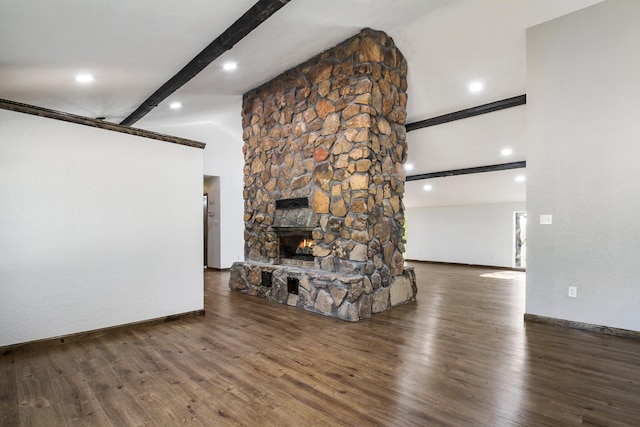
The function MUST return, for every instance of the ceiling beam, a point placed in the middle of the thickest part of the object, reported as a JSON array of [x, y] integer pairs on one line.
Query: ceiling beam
[[466, 171], [19, 107], [469, 112], [248, 22]]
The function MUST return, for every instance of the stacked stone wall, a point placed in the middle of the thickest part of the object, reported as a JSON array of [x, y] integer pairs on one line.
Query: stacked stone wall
[[332, 130]]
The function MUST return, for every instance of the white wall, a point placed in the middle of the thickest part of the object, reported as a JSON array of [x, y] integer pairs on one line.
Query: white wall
[[470, 234], [98, 228], [582, 166], [223, 158]]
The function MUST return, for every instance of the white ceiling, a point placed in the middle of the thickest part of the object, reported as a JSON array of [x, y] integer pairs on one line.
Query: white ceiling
[[133, 47]]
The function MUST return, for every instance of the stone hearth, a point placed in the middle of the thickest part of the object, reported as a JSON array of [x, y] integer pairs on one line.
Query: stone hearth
[[324, 181]]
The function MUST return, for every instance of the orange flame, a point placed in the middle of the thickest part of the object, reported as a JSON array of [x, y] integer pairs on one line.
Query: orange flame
[[306, 243]]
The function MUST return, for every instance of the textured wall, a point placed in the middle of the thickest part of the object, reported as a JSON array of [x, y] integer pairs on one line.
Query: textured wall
[[467, 234], [98, 228], [582, 166], [332, 130]]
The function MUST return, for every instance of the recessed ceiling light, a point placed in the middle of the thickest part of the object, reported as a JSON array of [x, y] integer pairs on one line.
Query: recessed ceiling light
[[506, 152], [84, 78], [476, 86], [229, 66], [175, 105], [520, 178], [408, 167], [427, 187]]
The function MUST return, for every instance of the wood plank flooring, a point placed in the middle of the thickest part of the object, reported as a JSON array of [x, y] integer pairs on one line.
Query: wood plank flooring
[[461, 355]]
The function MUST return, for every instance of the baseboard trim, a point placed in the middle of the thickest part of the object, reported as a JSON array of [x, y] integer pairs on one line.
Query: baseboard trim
[[618, 332], [493, 267], [79, 336], [217, 269]]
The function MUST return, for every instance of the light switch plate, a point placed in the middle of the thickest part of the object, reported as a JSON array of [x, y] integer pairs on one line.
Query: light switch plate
[[545, 219]]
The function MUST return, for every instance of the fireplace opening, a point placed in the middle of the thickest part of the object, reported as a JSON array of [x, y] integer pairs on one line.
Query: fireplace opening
[[295, 246]]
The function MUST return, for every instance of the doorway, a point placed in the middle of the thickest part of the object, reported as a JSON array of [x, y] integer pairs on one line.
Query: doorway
[[520, 228], [205, 227], [211, 221]]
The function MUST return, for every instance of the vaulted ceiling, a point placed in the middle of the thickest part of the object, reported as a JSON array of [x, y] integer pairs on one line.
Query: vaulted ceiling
[[133, 47]]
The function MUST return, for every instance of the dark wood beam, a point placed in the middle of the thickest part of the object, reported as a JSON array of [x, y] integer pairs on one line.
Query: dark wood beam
[[466, 171], [469, 112], [248, 22], [19, 107]]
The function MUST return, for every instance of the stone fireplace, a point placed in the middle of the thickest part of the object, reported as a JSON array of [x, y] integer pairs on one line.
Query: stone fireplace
[[324, 181]]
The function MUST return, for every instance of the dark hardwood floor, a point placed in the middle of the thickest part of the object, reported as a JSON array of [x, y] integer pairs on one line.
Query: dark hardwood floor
[[461, 355]]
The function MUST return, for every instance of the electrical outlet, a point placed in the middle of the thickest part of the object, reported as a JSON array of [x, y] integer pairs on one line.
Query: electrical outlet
[[573, 291]]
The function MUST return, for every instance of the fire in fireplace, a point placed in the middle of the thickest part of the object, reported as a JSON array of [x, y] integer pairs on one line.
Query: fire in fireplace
[[305, 248], [295, 246]]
